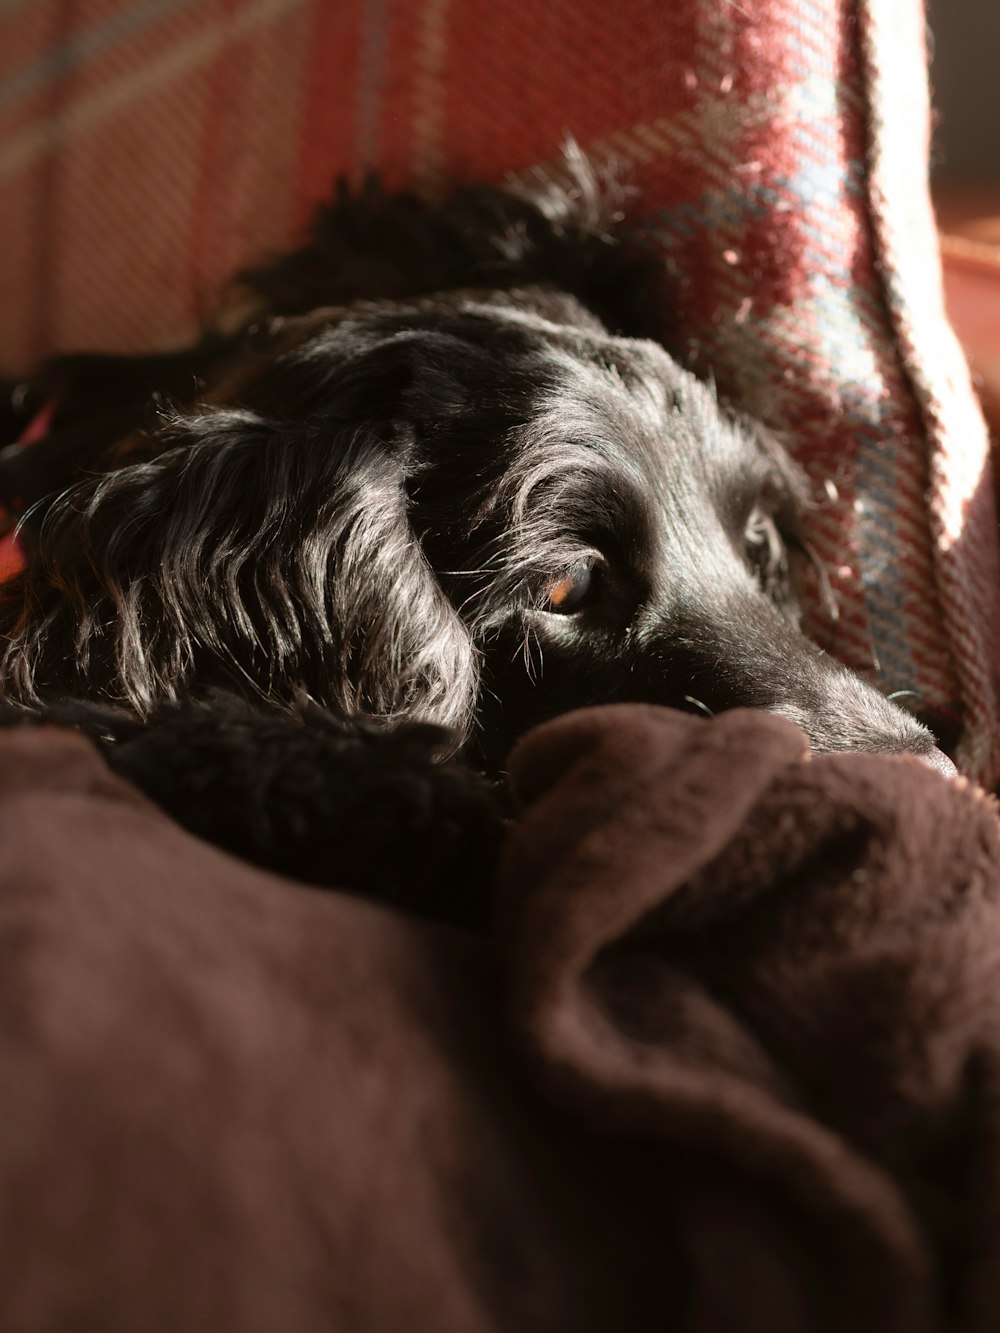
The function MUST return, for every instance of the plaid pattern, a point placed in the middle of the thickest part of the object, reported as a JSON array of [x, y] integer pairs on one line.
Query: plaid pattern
[[148, 147]]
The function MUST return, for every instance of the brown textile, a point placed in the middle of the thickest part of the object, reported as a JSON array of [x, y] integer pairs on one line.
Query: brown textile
[[729, 1063]]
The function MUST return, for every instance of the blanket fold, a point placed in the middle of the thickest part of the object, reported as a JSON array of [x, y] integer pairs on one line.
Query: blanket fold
[[790, 968]]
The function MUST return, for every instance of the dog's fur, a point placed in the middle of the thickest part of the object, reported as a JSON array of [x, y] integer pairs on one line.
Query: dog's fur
[[447, 477]]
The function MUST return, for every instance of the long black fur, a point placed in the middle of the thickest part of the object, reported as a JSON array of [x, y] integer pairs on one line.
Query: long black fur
[[444, 476]]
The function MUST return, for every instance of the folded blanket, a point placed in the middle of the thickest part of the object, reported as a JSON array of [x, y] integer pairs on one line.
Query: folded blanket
[[782, 978], [731, 1058]]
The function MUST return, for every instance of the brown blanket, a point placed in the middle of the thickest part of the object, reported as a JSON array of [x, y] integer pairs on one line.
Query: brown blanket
[[731, 1060]]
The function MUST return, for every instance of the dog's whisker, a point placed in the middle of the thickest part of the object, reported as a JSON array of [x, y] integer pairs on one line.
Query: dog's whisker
[[523, 652], [526, 657], [534, 671], [827, 596]]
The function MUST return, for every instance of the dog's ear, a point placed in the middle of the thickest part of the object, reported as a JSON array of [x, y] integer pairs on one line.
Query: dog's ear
[[271, 556], [564, 226]]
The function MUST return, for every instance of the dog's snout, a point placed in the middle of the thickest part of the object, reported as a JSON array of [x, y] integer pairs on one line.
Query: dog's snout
[[937, 759], [751, 657]]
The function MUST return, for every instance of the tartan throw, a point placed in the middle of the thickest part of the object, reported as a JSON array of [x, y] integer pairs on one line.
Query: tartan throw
[[149, 147]]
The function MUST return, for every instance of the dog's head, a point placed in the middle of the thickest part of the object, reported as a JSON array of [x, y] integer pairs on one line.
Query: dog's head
[[477, 506]]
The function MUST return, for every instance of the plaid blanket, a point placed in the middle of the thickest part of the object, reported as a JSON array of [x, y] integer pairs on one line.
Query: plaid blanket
[[148, 147]]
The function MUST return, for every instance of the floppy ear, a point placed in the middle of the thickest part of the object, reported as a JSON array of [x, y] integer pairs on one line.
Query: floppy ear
[[273, 556]]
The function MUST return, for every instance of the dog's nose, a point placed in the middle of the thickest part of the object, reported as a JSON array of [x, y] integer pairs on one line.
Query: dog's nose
[[937, 759]]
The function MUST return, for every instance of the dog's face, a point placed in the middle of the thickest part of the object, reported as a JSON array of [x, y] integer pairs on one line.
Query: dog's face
[[479, 508], [607, 533]]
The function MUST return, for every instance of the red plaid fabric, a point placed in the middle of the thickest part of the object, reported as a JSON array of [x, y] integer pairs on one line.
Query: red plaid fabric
[[151, 146]]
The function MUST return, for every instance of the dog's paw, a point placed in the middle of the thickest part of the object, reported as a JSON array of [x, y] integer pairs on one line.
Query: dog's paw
[[344, 803]]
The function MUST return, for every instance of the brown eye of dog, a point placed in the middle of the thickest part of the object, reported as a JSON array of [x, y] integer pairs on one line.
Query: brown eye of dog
[[570, 591], [765, 550]]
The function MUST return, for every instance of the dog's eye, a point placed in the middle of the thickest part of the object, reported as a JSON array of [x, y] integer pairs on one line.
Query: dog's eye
[[765, 550], [570, 591]]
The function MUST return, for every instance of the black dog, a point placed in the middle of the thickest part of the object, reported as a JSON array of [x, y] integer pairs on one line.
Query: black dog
[[446, 477]]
